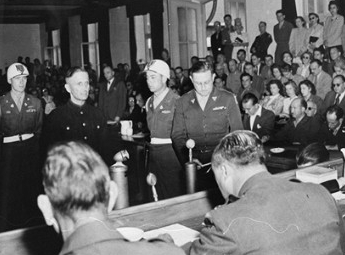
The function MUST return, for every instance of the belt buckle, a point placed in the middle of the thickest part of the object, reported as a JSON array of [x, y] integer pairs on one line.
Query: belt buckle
[[20, 137]]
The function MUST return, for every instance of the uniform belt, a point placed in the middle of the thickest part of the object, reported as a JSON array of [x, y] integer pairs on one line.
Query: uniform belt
[[17, 138], [160, 140]]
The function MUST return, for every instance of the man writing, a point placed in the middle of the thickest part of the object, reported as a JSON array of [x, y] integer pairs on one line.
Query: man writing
[[271, 215], [79, 196]]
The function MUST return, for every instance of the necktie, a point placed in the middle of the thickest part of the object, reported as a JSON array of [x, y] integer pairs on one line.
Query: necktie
[[337, 99]]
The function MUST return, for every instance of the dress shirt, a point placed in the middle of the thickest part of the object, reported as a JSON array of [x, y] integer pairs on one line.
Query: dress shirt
[[109, 84], [252, 117]]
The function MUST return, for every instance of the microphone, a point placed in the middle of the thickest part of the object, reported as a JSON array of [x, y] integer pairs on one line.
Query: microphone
[[151, 180]]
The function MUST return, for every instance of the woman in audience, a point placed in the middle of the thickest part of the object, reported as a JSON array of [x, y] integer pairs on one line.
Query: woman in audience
[[315, 32], [239, 38], [298, 39], [275, 101], [339, 67], [292, 92], [287, 59], [133, 113], [304, 68], [333, 28], [222, 61], [278, 74], [308, 92]]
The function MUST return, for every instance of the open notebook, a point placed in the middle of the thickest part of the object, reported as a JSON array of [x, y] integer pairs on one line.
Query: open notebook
[[178, 232]]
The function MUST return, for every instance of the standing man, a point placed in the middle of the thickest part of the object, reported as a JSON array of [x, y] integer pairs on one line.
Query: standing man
[[281, 33], [227, 43], [160, 110], [320, 78], [76, 120], [216, 40], [112, 96], [262, 41], [205, 115], [20, 127], [272, 215]]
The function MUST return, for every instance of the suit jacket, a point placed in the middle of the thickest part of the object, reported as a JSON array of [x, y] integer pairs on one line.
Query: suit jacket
[[102, 239], [330, 100], [258, 84], [263, 125], [322, 84], [274, 216], [327, 137], [227, 43], [216, 44], [113, 102], [304, 133]]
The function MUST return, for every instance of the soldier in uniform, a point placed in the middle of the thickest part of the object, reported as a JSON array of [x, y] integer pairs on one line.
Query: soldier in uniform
[[160, 112], [205, 115], [20, 127], [76, 120], [262, 41]]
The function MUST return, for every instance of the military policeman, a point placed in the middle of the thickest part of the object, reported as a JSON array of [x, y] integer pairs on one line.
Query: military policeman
[[205, 115], [20, 127], [160, 112], [262, 41], [76, 120]]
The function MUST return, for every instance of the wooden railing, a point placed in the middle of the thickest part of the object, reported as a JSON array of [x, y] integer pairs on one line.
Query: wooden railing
[[188, 210]]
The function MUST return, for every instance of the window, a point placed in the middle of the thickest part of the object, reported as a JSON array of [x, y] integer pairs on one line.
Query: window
[[53, 53], [89, 49], [143, 37]]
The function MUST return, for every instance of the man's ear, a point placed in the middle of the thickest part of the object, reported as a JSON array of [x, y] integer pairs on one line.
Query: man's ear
[[113, 193], [47, 211], [67, 88]]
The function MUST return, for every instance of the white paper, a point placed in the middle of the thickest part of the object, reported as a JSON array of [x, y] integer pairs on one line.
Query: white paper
[[178, 232], [338, 195]]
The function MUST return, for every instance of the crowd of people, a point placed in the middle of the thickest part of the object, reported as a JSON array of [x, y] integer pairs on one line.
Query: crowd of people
[[295, 97]]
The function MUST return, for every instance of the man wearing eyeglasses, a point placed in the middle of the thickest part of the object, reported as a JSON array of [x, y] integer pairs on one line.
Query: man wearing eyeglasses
[[320, 78], [332, 133], [336, 96]]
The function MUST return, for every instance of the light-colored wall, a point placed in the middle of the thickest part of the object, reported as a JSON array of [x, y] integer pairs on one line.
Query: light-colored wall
[[263, 10], [75, 40], [19, 40], [119, 35]]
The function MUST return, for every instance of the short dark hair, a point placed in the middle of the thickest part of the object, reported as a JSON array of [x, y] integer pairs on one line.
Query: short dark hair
[[199, 67], [255, 55], [242, 50], [286, 52], [317, 61], [302, 19], [275, 65], [227, 16], [269, 56], [294, 86], [314, 153], [333, 3], [320, 49], [279, 85], [263, 22], [337, 110], [250, 97], [179, 68], [316, 15], [246, 75], [286, 68], [75, 69], [309, 84]]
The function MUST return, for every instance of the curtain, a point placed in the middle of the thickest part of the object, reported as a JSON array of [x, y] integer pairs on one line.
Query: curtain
[[64, 43], [289, 7]]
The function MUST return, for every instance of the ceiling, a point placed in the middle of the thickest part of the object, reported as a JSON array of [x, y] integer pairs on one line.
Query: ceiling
[[40, 11]]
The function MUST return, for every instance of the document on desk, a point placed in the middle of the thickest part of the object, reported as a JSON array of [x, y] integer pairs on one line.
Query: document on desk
[[338, 195], [178, 232]]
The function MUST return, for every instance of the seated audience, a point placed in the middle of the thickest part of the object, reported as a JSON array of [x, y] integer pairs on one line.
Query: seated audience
[[221, 61], [311, 109], [219, 83], [266, 72], [246, 80], [275, 101], [332, 133], [339, 67], [183, 83], [233, 83], [337, 94], [257, 64], [304, 68], [335, 54], [308, 93], [318, 54], [272, 215], [278, 74], [287, 72], [258, 81], [292, 93], [320, 78], [298, 38], [79, 196], [287, 59], [300, 129], [241, 56], [257, 118], [219, 70]]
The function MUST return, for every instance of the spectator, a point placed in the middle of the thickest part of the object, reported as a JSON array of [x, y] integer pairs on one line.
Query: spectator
[[233, 82], [239, 38], [277, 73], [266, 72], [275, 101], [219, 83], [291, 90], [258, 81], [320, 78], [288, 59], [257, 64], [282, 33], [299, 38], [221, 60], [246, 81], [318, 54], [262, 41], [166, 57], [308, 93], [227, 43], [337, 95], [287, 72], [216, 39], [241, 56], [304, 69], [339, 67], [315, 32], [220, 72]]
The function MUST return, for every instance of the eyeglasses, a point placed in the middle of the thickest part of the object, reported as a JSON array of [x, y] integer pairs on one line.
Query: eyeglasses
[[312, 18], [337, 84], [311, 108], [305, 57]]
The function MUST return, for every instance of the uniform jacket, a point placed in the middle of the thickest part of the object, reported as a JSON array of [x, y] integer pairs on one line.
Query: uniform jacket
[[112, 102], [160, 120], [220, 116], [322, 84], [330, 100], [261, 44], [263, 125], [27, 121], [72, 122], [282, 37], [304, 133], [327, 137], [274, 216], [98, 238]]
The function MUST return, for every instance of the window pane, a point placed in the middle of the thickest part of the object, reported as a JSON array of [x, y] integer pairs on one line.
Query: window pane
[[182, 27], [242, 14], [191, 25], [184, 55]]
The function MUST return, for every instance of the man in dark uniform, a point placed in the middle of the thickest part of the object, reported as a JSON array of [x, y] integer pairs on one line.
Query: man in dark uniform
[[216, 40], [205, 115], [160, 110], [76, 120], [227, 43], [20, 127], [262, 41]]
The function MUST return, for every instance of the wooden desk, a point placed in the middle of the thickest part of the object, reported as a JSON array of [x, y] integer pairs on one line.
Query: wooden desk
[[188, 210]]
